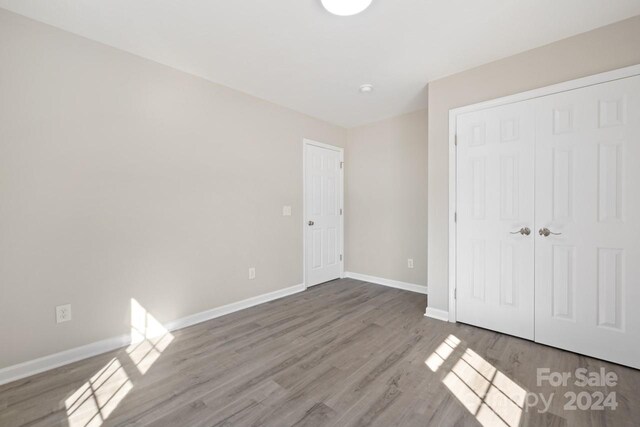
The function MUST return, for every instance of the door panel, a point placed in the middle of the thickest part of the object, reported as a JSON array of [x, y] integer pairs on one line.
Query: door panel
[[587, 188], [495, 198], [323, 199]]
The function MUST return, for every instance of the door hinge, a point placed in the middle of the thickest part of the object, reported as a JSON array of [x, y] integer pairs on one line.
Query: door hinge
[[341, 165], [340, 257], [455, 140], [455, 294], [455, 217], [340, 211]]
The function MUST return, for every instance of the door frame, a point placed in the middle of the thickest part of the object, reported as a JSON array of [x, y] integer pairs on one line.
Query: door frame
[[306, 143], [595, 79]]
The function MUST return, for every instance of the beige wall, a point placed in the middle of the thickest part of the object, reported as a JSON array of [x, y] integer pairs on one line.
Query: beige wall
[[121, 178], [386, 198], [604, 49]]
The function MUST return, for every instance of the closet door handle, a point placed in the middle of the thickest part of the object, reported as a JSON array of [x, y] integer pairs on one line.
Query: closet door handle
[[546, 232], [525, 231]]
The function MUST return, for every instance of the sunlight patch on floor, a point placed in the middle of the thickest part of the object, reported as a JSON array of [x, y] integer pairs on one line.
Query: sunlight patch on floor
[[96, 399], [491, 396], [442, 353], [92, 403]]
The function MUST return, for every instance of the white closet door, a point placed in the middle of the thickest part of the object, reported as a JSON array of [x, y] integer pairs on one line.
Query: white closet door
[[495, 200], [588, 189]]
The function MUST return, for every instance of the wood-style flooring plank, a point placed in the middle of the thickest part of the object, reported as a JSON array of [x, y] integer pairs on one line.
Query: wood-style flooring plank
[[346, 353]]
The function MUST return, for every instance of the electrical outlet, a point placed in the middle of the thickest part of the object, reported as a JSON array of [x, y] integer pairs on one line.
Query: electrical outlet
[[63, 313], [286, 211], [252, 273], [410, 263]]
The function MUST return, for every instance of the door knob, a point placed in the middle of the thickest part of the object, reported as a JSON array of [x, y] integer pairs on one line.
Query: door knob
[[311, 223], [525, 231], [546, 232]]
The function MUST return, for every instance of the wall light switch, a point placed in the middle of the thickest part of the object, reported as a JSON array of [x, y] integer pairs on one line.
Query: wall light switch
[[410, 263], [286, 211], [252, 273], [63, 313]]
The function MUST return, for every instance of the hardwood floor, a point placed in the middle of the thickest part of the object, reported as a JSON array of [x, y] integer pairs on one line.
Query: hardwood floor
[[346, 353]]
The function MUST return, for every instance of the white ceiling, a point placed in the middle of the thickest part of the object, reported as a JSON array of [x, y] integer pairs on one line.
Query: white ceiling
[[294, 53]]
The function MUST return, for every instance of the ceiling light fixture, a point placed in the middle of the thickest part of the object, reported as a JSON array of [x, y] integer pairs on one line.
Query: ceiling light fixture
[[366, 88], [346, 7]]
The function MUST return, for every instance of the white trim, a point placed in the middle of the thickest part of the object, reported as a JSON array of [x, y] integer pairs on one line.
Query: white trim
[[421, 289], [435, 313], [305, 143], [453, 181], [36, 366], [621, 73], [232, 308], [308, 141], [595, 79]]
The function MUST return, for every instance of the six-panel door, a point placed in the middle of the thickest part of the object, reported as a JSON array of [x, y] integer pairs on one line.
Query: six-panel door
[[580, 150], [495, 217], [588, 190], [323, 198]]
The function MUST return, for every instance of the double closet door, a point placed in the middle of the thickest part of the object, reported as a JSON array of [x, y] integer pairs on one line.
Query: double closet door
[[548, 220]]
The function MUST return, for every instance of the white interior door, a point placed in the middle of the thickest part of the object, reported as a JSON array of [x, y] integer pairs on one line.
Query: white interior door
[[323, 209], [495, 196], [588, 189]]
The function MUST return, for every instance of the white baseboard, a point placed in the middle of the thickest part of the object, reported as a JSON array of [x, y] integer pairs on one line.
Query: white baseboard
[[32, 367], [232, 308], [388, 282], [438, 314]]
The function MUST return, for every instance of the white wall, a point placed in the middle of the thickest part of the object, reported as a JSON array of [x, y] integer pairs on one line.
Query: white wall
[[600, 50], [121, 178], [386, 198]]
